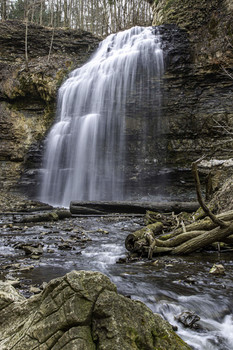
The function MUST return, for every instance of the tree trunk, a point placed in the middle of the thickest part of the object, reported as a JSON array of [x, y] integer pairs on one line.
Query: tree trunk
[[135, 240], [207, 238], [3, 10], [132, 207], [26, 40]]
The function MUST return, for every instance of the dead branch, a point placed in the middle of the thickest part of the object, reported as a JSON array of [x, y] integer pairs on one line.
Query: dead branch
[[200, 199], [207, 238]]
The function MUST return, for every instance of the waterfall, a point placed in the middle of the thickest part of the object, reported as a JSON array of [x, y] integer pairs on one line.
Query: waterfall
[[86, 155]]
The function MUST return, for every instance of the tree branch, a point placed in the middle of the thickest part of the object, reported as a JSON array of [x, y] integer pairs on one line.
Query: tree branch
[[208, 212]]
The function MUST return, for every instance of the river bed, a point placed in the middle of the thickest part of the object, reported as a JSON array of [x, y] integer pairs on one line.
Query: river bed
[[167, 285]]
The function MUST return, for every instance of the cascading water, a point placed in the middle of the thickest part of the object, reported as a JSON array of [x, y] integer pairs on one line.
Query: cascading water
[[86, 149]]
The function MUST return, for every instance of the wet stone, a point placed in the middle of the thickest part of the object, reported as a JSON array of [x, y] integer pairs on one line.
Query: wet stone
[[190, 280], [35, 257], [188, 319], [30, 250], [217, 269], [65, 246], [34, 290]]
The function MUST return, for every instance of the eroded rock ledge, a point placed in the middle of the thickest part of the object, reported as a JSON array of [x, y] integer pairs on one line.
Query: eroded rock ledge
[[27, 97], [81, 310]]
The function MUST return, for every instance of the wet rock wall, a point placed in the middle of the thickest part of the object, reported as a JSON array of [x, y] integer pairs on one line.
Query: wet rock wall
[[181, 121], [27, 97], [177, 126]]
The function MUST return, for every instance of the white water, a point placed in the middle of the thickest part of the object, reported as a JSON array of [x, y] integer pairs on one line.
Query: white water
[[160, 286], [163, 290], [85, 149]]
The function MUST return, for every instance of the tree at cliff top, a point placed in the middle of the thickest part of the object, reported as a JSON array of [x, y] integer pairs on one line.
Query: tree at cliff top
[[100, 17]]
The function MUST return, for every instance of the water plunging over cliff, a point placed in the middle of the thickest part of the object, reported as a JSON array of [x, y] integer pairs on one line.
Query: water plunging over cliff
[[88, 152]]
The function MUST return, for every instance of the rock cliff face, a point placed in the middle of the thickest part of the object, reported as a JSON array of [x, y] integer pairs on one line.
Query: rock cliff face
[[209, 24], [198, 82], [196, 91], [27, 98], [81, 310], [195, 101]]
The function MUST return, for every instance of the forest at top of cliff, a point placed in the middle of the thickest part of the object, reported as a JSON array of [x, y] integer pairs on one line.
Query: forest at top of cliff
[[101, 17]]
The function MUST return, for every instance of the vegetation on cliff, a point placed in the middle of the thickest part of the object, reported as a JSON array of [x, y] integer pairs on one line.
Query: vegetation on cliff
[[28, 94], [209, 23]]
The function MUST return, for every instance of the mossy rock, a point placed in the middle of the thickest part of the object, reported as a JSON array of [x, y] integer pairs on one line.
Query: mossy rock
[[82, 310]]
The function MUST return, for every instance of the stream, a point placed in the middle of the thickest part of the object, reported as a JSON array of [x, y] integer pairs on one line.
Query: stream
[[167, 285]]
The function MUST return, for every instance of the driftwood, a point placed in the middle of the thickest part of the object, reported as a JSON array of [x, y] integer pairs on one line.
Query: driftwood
[[43, 217], [186, 239], [205, 239], [135, 241], [130, 207], [202, 225]]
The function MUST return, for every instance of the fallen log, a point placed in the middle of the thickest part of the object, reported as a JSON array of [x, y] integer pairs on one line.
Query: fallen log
[[136, 240], [174, 242], [158, 250], [131, 207], [48, 216], [190, 238], [204, 224], [228, 240], [207, 238]]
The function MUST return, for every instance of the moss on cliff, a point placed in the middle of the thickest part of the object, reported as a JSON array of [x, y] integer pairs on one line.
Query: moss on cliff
[[27, 97], [209, 23]]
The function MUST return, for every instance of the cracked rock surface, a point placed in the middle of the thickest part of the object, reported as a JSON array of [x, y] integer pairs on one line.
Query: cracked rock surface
[[81, 310]]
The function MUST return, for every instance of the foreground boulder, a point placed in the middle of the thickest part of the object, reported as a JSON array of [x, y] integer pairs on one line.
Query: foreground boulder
[[81, 310]]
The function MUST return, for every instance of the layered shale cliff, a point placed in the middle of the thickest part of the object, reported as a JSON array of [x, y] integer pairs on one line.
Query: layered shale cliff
[[27, 97], [195, 91]]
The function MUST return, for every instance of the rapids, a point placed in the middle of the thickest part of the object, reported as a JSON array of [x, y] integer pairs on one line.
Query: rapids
[[168, 286]]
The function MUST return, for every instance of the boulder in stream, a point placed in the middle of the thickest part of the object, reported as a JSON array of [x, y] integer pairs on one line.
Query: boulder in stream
[[81, 310]]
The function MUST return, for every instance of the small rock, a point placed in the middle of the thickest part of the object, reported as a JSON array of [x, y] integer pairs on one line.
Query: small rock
[[43, 285], [35, 257], [27, 268], [169, 265], [154, 263], [217, 269], [190, 280], [50, 250], [34, 290], [65, 246], [43, 233], [14, 283], [32, 250], [104, 232], [188, 319]]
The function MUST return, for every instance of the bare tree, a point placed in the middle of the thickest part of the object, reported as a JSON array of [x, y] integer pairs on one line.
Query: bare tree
[[101, 17], [3, 10]]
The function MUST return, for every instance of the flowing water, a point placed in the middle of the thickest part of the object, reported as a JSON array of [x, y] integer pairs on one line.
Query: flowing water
[[86, 153], [167, 285]]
